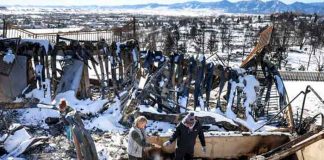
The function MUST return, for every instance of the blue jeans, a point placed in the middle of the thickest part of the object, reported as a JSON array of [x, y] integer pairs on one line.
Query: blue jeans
[[68, 132]]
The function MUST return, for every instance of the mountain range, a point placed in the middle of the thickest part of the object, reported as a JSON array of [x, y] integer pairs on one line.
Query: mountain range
[[246, 6]]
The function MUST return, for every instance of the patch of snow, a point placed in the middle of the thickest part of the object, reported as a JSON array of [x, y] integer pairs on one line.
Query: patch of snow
[[84, 106], [201, 58], [159, 127], [16, 139], [103, 153], [43, 94], [146, 108], [38, 69], [216, 116], [36, 116], [107, 121], [41, 42], [118, 48], [134, 54], [313, 105], [251, 83], [142, 82], [9, 57], [183, 102], [201, 103]]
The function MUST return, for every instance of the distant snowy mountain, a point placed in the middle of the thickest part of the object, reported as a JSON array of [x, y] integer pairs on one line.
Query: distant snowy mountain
[[246, 6]]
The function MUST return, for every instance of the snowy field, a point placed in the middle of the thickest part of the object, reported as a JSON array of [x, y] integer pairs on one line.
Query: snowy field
[[312, 104]]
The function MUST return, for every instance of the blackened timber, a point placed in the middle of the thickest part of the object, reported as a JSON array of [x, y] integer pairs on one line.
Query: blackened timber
[[102, 71], [53, 66]]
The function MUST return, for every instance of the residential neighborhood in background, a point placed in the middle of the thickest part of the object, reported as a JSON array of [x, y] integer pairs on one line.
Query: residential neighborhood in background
[[162, 80]]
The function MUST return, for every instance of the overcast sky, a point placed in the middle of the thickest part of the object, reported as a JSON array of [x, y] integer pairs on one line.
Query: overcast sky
[[113, 2]]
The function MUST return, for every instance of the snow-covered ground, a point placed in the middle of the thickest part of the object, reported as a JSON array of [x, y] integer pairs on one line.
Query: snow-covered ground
[[297, 57], [312, 104], [54, 30]]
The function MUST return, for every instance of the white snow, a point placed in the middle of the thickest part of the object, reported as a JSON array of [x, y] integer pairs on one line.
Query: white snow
[[142, 82], [218, 117], [312, 104], [38, 69], [108, 121], [159, 127], [250, 92], [134, 54], [84, 106], [17, 142], [201, 103], [146, 108], [118, 48], [183, 102], [9, 57], [41, 42], [54, 30], [36, 116], [16, 139], [43, 94]]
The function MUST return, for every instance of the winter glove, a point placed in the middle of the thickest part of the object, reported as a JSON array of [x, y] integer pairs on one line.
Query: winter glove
[[167, 143], [203, 149]]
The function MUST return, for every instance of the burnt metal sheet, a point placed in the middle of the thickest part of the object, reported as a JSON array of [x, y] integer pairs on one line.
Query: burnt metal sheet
[[5, 68], [15, 82], [71, 77]]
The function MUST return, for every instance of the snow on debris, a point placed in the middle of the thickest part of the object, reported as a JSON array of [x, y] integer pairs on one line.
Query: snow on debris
[[251, 83], [36, 116], [20, 148], [9, 57], [107, 121], [313, 105], [218, 117], [14, 140], [84, 106], [159, 127], [41, 42], [103, 153], [147, 108], [183, 102], [44, 96]]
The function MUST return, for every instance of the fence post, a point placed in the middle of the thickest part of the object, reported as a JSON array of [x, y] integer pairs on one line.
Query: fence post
[[4, 28], [134, 27]]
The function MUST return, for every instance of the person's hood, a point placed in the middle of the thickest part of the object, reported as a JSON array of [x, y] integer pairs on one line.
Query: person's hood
[[187, 119]]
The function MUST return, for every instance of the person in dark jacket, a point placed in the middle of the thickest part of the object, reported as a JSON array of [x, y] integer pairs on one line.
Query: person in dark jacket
[[186, 133]]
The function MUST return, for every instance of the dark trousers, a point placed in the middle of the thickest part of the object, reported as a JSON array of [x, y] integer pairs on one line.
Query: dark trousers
[[182, 155]]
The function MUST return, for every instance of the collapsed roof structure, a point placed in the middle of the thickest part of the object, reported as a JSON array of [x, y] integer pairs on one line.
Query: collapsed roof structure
[[159, 87]]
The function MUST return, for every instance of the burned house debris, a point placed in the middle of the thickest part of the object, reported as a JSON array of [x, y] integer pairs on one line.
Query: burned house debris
[[120, 80]]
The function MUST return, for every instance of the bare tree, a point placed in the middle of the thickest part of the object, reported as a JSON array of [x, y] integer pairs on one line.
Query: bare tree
[[212, 44], [169, 44], [316, 41]]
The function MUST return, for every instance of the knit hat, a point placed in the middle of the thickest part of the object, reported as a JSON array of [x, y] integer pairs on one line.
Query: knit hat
[[62, 104], [190, 118]]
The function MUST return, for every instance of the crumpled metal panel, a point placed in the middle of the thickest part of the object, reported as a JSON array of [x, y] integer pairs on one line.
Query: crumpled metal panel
[[15, 82]]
